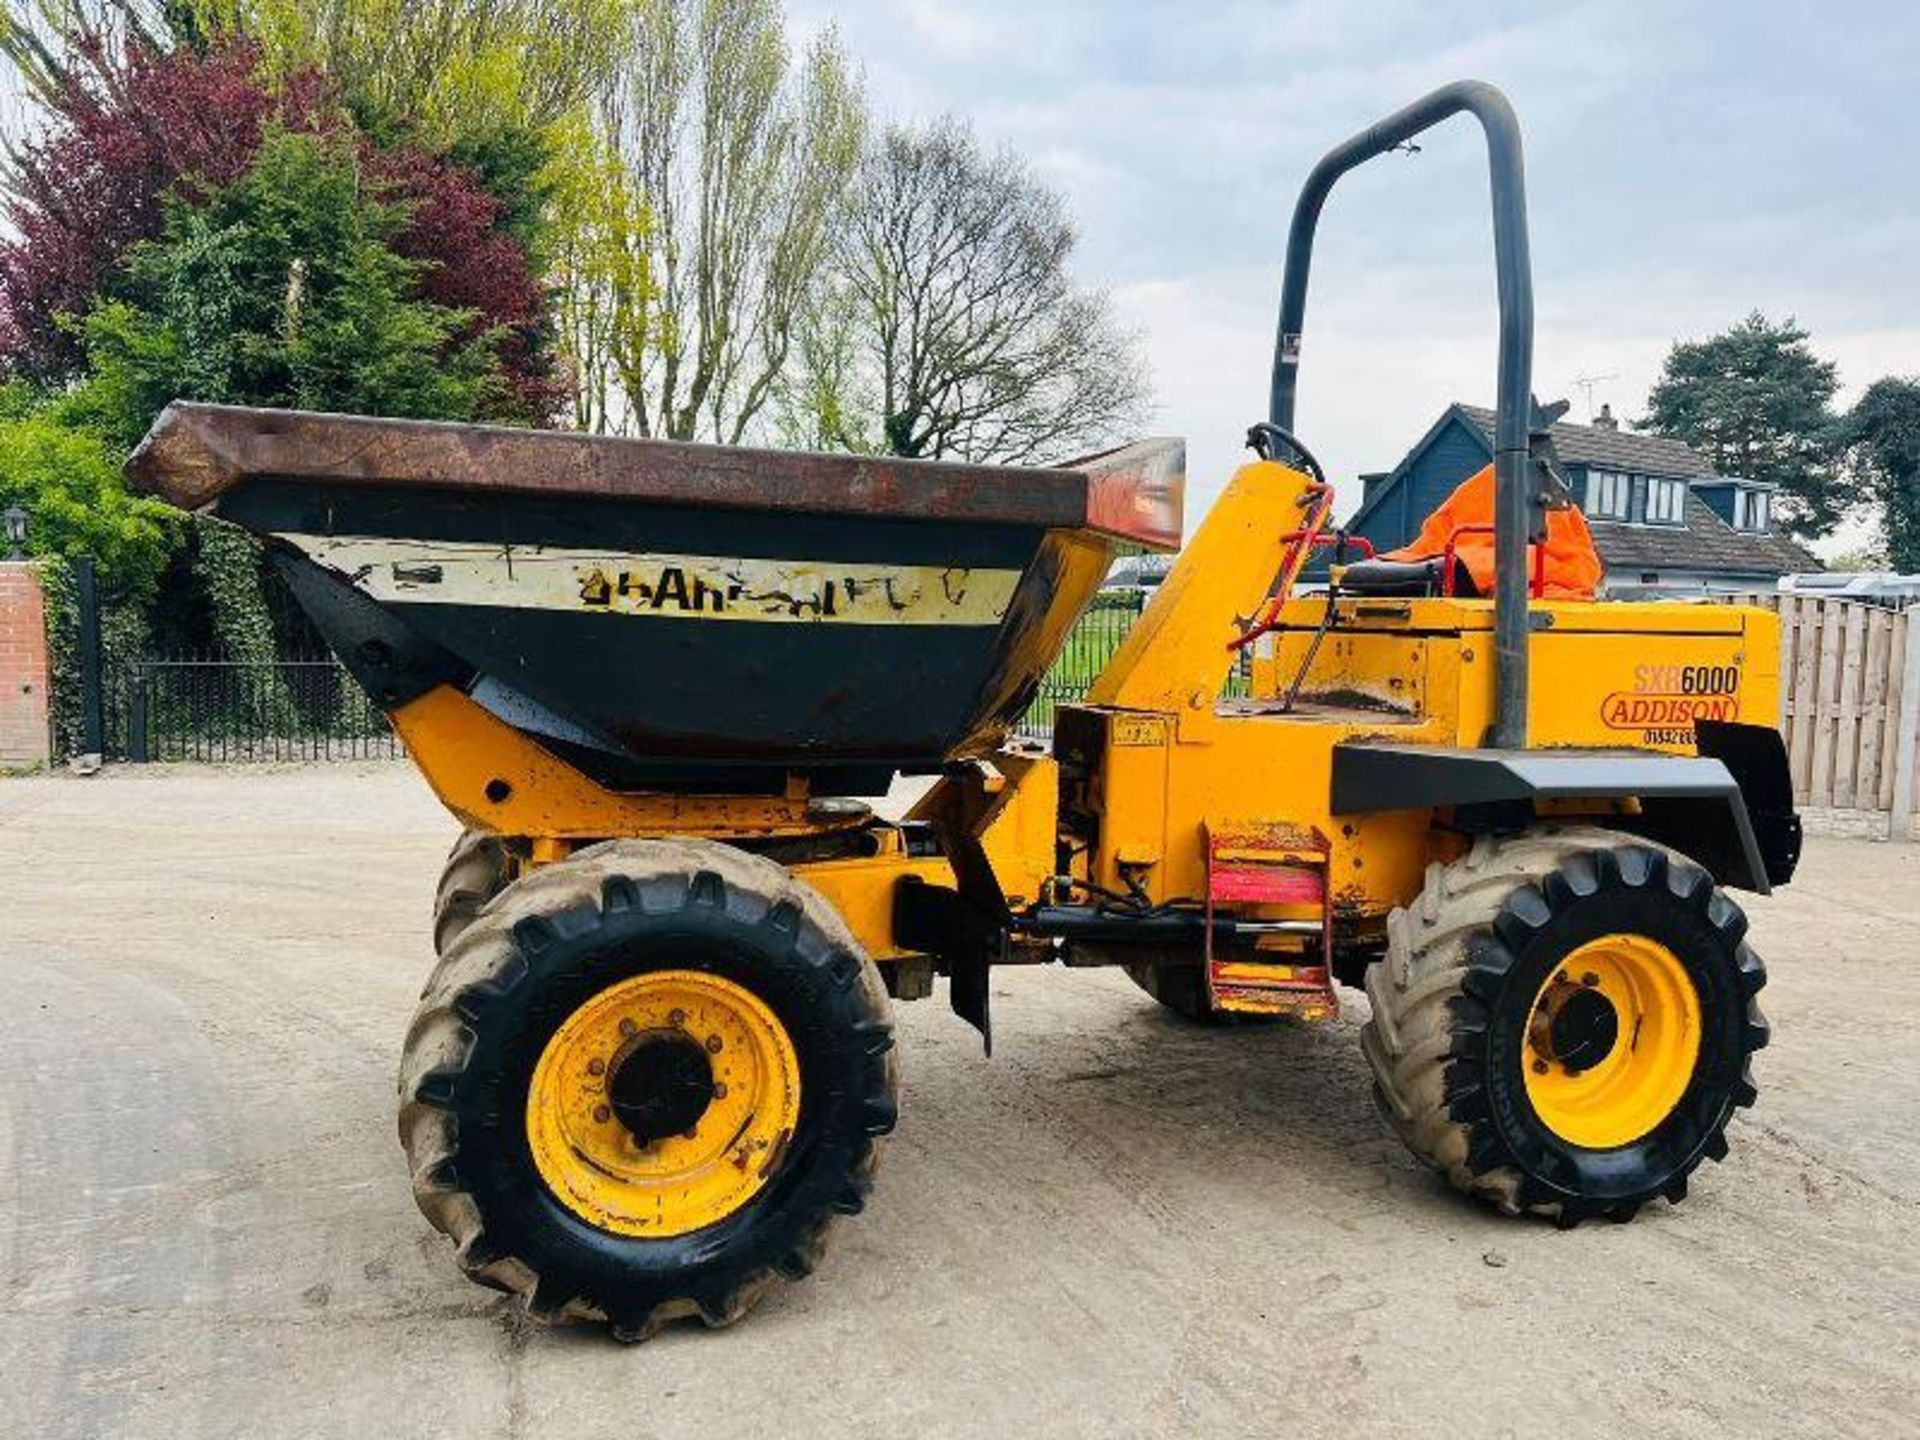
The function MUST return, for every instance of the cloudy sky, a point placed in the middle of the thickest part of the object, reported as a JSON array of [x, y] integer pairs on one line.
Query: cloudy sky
[[1687, 163]]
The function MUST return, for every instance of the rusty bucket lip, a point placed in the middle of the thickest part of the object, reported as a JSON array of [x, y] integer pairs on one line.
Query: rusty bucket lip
[[195, 453]]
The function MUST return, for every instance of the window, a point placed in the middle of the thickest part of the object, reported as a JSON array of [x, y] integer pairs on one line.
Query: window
[[1666, 502], [1609, 495], [1752, 509]]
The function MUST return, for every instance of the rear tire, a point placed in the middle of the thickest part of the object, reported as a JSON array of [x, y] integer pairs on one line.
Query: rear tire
[[1181, 986], [552, 948], [479, 867], [1460, 1020]]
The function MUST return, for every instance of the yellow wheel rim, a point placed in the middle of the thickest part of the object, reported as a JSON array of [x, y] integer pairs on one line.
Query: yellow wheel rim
[[1611, 1041], [664, 1104]]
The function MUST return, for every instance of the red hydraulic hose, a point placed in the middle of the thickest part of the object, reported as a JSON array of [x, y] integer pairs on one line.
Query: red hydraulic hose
[[1300, 545]]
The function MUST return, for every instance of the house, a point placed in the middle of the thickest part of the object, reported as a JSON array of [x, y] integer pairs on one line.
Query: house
[[1663, 522]]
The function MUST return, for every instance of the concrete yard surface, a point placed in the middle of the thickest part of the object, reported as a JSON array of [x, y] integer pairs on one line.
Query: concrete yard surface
[[1120, 1225]]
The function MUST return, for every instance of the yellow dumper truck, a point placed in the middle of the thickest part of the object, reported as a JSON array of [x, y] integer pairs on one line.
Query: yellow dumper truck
[[654, 1063]]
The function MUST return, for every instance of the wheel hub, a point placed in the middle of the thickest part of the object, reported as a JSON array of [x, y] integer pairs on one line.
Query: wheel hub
[[1576, 1027], [1613, 1037], [661, 1086], [664, 1103]]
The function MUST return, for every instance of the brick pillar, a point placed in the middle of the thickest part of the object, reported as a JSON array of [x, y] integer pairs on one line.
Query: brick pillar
[[25, 739]]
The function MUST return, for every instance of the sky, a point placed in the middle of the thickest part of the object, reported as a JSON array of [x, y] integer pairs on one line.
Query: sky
[[1687, 163]]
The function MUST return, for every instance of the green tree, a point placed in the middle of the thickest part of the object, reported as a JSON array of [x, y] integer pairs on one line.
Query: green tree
[[1882, 435], [601, 270], [499, 86], [280, 290], [66, 476], [1756, 401], [447, 71]]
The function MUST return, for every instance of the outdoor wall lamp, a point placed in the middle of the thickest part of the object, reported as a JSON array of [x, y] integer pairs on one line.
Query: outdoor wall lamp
[[16, 520]]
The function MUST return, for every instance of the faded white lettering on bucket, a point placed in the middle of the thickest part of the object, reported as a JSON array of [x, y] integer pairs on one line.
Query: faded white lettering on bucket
[[695, 587]]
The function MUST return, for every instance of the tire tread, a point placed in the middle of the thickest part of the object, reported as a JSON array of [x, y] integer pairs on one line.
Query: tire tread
[[1416, 1027], [484, 964]]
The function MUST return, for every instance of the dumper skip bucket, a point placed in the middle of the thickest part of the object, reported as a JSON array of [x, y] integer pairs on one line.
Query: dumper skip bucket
[[677, 615]]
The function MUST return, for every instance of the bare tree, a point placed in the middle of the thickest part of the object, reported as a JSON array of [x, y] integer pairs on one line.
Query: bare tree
[[742, 161], [970, 339]]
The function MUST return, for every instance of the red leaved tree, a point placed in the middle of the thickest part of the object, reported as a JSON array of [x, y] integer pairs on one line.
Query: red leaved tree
[[126, 127], [453, 226]]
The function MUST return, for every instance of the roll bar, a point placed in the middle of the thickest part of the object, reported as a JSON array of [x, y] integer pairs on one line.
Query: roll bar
[[1519, 504]]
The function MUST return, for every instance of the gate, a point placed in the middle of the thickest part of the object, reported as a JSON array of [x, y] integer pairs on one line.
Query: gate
[[201, 708], [1089, 644], [115, 697]]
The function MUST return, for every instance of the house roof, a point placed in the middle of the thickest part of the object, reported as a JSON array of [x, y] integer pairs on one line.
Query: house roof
[[1705, 542], [1607, 449]]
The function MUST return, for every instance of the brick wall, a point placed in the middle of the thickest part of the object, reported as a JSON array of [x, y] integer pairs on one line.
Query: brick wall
[[24, 739]]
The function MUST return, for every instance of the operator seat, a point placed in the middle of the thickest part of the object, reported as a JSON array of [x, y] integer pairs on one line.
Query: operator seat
[[1405, 577]]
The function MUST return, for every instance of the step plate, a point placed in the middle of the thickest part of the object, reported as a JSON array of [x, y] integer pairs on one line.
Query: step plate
[[1302, 991], [1283, 867]]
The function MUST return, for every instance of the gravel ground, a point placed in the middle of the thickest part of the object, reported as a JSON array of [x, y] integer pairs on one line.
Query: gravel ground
[[1119, 1225]]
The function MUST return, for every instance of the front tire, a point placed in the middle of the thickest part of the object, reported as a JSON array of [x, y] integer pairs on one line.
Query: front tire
[[1564, 1020], [681, 967]]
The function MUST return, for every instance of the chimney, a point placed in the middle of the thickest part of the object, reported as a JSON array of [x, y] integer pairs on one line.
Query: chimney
[[1604, 420]]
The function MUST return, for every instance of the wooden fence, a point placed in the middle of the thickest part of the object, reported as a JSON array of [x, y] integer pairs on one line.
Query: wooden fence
[[1850, 703]]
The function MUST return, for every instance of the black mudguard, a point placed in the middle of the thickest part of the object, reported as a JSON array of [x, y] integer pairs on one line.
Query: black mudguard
[[1710, 806], [1756, 756]]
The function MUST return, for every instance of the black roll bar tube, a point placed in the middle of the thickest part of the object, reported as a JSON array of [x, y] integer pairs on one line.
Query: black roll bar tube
[[1519, 513]]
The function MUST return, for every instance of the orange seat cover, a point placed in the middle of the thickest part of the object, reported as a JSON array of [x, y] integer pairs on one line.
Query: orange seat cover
[[1573, 568]]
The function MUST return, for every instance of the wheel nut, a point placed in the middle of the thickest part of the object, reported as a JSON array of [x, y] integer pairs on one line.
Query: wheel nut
[[676, 1017], [1590, 979], [713, 1044], [692, 1132], [719, 1089], [628, 1028], [1539, 1067], [596, 1066], [602, 1114]]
